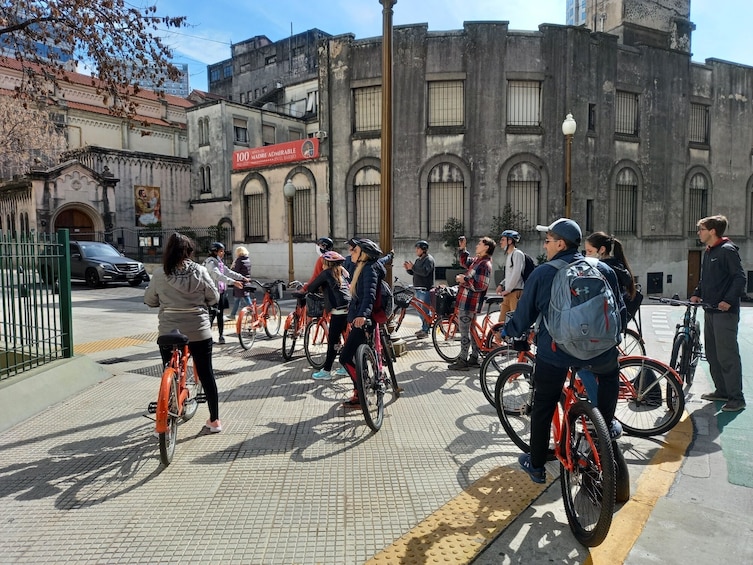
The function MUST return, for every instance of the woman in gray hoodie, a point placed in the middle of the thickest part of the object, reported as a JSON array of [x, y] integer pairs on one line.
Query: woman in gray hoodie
[[183, 291]]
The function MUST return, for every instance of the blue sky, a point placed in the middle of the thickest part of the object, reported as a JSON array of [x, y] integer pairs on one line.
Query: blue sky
[[721, 25]]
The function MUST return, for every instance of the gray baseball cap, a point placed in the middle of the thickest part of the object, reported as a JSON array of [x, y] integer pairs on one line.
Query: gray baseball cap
[[565, 228]]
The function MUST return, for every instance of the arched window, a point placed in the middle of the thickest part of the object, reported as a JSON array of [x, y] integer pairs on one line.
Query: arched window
[[626, 202], [255, 212], [445, 193], [697, 202], [523, 189], [366, 188]]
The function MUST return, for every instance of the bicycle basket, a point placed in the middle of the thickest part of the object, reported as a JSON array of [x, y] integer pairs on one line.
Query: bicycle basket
[[314, 305], [403, 297], [445, 301], [277, 290]]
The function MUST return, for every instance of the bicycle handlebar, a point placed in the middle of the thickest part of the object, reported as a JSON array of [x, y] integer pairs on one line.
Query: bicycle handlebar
[[676, 302], [410, 286]]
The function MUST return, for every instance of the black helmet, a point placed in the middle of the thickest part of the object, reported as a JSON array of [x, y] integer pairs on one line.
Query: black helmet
[[370, 248], [422, 244], [326, 243], [216, 246], [511, 234], [352, 242]]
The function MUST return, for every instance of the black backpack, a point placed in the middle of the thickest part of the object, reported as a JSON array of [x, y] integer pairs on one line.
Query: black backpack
[[529, 266]]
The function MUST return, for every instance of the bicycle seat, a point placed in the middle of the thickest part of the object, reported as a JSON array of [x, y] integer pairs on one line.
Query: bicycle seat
[[173, 338], [496, 299], [249, 288]]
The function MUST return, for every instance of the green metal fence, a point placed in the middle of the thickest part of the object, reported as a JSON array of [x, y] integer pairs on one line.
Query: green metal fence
[[37, 325]]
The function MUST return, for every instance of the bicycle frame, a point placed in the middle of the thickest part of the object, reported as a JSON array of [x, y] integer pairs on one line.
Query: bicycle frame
[[177, 368], [561, 423], [259, 312]]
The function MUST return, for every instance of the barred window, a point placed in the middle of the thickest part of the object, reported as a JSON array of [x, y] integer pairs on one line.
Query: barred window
[[699, 124], [302, 212], [523, 190], [445, 191], [368, 108], [698, 202], [268, 134], [626, 113], [446, 105], [366, 189], [523, 103], [255, 212], [626, 202], [241, 130], [206, 179]]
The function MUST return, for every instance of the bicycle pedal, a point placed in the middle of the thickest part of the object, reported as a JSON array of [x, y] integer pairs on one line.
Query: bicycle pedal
[[200, 398], [152, 408]]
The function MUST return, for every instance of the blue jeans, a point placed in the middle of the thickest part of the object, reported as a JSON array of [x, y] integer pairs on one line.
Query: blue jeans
[[424, 295], [237, 304]]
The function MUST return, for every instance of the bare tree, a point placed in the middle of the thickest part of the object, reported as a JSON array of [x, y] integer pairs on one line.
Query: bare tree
[[119, 42], [27, 137]]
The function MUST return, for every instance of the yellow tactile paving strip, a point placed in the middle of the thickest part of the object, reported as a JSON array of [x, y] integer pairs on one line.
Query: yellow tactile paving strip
[[459, 530], [107, 344]]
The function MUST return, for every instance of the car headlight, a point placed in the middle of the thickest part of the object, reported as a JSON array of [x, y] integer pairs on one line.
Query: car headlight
[[106, 266], [141, 266]]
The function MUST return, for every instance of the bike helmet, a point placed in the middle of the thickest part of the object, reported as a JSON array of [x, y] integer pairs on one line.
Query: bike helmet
[[511, 234], [216, 246], [352, 242], [333, 257], [325, 244], [370, 248], [422, 244]]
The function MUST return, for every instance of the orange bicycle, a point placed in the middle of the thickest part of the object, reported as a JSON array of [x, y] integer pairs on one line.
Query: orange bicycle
[[316, 335], [179, 395], [405, 296], [295, 323], [267, 316], [445, 333]]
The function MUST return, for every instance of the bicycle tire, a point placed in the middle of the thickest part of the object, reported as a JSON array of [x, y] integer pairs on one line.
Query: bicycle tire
[[492, 339], [589, 488], [491, 368], [193, 384], [369, 387], [397, 318], [246, 329], [168, 438], [388, 357], [315, 342], [680, 358], [445, 335], [289, 336], [632, 344], [650, 400], [273, 320], [513, 399]]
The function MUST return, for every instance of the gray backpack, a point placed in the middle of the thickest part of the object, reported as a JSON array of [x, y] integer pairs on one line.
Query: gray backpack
[[583, 318]]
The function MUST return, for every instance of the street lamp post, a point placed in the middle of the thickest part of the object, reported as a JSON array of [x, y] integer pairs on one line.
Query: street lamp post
[[568, 130], [385, 193], [288, 190]]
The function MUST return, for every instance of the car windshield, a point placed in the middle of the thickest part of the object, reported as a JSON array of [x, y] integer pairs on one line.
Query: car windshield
[[98, 250]]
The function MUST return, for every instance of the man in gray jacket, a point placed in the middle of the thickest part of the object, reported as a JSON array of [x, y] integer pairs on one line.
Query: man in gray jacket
[[422, 270]]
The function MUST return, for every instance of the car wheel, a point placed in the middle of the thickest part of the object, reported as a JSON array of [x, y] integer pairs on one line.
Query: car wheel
[[92, 278]]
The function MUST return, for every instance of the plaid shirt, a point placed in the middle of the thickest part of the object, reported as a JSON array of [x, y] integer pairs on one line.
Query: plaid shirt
[[472, 292]]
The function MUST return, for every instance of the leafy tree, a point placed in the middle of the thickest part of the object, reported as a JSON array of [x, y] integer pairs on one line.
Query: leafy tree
[[27, 138], [451, 231], [509, 220], [118, 41]]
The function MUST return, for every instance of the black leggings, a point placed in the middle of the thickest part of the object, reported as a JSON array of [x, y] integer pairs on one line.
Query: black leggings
[[356, 337], [219, 312], [201, 351], [337, 325]]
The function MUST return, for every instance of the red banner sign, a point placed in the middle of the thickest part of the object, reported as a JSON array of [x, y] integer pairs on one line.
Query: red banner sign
[[298, 150]]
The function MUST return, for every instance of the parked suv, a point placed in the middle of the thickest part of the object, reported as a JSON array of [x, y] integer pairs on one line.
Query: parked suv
[[98, 263]]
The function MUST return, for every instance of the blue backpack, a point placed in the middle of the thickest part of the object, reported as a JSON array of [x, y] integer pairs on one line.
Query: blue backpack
[[583, 318]]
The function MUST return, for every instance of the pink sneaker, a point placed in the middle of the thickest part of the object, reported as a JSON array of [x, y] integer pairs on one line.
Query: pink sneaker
[[214, 427]]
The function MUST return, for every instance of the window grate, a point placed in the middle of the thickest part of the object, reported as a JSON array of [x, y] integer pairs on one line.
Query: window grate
[[697, 202], [626, 113], [446, 105], [367, 210], [368, 108], [256, 217], [699, 124], [524, 103]]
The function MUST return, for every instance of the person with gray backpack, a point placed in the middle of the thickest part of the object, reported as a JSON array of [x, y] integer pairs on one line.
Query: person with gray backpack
[[568, 293]]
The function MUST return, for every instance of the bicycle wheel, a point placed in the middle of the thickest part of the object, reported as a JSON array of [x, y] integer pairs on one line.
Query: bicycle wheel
[[492, 340], [388, 357], [446, 338], [650, 400], [289, 336], [494, 363], [315, 342], [680, 358], [513, 398], [632, 344], [369, 387], [273, 320], [195, 394], [588, 488], [167, 411], [397, 318], [246, 328]]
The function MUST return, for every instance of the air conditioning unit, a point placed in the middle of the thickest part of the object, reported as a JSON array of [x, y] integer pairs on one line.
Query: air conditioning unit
[[319, 134]]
